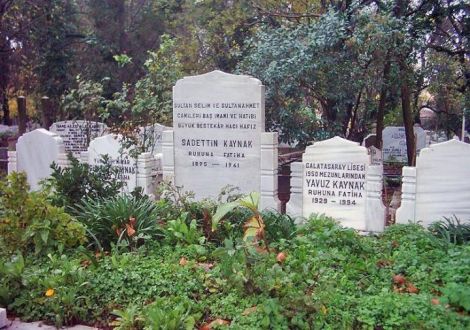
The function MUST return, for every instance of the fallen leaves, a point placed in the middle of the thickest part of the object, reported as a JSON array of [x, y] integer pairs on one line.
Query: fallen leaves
[[216, 322], [281, 257], [402, 285]]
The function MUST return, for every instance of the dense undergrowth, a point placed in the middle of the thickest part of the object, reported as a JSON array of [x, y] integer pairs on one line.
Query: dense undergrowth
[[163, 265]]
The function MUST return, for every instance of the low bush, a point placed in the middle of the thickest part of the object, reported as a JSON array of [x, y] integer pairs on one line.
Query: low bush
[[120, 220], [320, 276], [72, 184], [28, 221]]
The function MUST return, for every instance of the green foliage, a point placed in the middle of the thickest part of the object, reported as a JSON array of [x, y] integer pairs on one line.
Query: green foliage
[[457, 296], [331, 277], [10, 280], [180, 232], [451, 230], [162, 315], [122, 219], [72, 184], [29, 222], [84, 102]]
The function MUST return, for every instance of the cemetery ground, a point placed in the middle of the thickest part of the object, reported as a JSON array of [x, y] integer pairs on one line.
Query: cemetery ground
[[77, 252]]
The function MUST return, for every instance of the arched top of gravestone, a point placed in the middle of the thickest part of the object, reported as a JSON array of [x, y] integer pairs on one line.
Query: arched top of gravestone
[[36, 151], [451, 150], [336, 145], [219, 77], [40, 133], [106, 142]]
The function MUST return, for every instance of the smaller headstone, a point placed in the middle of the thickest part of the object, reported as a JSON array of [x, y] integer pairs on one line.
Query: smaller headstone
[[369, 140], [3, 318], [76, 134], [151, 137], [394, 143], [35, 152], [375, 156], [339, 181], [439, 185], [110, 145]]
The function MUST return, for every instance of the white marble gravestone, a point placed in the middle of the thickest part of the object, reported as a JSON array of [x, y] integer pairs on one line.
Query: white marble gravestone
[[439, 185], [337, 180], [35, 152], [110, 145], [218, 138], [394, 143], [152, 137], [76, 134]]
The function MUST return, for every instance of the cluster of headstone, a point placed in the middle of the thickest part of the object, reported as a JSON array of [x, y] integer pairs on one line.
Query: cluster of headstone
[[218, 139], [89, 142]]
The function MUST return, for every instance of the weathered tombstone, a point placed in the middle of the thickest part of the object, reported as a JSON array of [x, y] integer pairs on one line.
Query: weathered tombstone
[[375, 155], [151, 136], [369, 140], [433, 137], [338, 181], [439, 185], [219, 139], [133, 172], [35, 152], [77, 134], [394, 143]]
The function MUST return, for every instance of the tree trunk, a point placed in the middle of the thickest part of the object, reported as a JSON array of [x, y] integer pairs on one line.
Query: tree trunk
[[407, 114], [382, 103]]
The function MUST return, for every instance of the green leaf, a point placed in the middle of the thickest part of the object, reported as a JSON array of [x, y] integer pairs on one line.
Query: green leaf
[[222, 210]]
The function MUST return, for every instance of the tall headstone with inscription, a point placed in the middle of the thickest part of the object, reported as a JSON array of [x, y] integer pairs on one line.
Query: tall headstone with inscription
[[35, 152], [394, 143], [218, 138], [337, 180], [133, 172], [77, 134], [439, 185]]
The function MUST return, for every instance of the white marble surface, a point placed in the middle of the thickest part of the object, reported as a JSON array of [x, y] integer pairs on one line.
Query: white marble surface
[[35, 152], [76, 134], [152, 137], [339, 182], [394, 143], [218, 119], [110, 145], [442, 184]]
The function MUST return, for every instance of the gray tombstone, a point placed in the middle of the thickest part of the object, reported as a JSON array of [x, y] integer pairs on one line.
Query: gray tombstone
[[77, 134], [394, 143]]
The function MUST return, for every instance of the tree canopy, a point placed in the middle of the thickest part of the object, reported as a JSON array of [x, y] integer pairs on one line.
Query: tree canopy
[[330, 67]]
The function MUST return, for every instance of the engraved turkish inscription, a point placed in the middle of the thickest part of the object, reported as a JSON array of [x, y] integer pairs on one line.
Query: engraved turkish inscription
[[335, 184]]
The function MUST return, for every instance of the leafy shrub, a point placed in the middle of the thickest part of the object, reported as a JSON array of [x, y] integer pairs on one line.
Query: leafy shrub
[[10, 278], [161, 315], [73, 183], [29, 222], [278, 226], [123, 219], [180, 232], [451, 230]]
